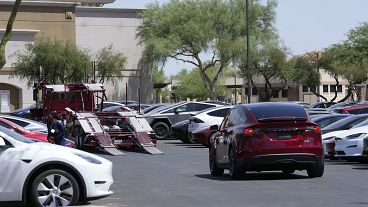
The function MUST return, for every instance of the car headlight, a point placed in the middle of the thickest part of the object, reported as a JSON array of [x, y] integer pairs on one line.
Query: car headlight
[[356, 136], [328, 138], [89, 159]]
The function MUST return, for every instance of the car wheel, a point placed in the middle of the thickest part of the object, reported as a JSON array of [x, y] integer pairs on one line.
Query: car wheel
[[55, 188], [215, 171], [162, 130], [235, 172], [316, 170], [288, 171]]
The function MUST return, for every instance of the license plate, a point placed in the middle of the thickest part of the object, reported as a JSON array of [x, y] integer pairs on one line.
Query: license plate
[[118, 141], [283, 136]]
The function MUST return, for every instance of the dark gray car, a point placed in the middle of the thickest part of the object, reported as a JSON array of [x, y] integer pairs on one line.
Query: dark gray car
[[164, 117]]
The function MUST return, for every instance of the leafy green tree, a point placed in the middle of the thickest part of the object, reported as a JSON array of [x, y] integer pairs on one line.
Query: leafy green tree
[[349, 59], [158, 75], [192, 87], [8, 31], [62, 62], [185, 30], [304, 71], [110, 64], [269, 62]]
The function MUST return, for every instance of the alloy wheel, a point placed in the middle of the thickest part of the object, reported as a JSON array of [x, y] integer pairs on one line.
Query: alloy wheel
[[55, 190]]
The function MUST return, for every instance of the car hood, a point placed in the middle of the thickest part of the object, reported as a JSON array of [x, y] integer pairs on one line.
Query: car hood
[[45, 150], [363, 129], [332, 134]]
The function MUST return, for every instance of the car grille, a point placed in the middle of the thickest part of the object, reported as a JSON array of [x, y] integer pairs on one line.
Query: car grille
[[340, 153]]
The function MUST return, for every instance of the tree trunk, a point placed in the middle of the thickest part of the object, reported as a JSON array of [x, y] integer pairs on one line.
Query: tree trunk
[[319, 95], [8, 31], [350, 93], [337, 83]]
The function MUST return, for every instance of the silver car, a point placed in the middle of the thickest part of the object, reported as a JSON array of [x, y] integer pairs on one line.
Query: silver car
[[163, 118]]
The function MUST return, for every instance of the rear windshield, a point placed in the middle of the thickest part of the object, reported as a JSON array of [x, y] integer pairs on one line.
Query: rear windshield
[[278, 111]]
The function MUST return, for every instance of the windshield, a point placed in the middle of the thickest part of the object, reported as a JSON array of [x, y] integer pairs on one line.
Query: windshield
[[351, 120], [264, 111], [10, 134]]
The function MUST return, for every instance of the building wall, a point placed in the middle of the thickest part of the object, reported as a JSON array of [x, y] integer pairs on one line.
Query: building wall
[[97, 28], [53, 20]]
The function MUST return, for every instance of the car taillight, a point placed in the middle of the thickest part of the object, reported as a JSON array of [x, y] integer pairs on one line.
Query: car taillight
[[248, 131], [314, 129]]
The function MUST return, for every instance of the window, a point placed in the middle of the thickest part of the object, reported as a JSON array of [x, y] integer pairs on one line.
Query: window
[[242, 117], [332, 88], [305, 89], [355, 111], [200, 107], [264, 112], [232, 118], [325, 88], [339, 88], [219, 113], [275, 95], [254, 92], [284, 93], [20, 123]]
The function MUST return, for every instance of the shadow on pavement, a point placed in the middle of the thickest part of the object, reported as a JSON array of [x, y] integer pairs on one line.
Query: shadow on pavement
[[256, 176]]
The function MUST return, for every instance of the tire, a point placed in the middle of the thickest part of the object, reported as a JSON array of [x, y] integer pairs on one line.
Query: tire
[[54, 187], [235, 172], [288, 171], [162, 130], [316, 170], [215, 171]]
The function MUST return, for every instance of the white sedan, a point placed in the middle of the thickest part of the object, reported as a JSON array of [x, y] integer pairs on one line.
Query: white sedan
[[44, 174], [208, 117], [352, 143]]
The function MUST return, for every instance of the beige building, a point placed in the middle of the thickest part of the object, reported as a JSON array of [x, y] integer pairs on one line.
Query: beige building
[[83, 22]]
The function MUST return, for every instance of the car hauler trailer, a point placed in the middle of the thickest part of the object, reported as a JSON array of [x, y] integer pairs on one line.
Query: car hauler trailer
[[78, 103]]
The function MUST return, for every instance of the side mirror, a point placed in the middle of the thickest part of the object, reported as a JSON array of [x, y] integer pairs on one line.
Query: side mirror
[[214, 128], [2, 142]]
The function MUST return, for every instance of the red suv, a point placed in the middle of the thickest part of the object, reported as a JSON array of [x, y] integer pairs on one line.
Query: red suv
[[265, 137]]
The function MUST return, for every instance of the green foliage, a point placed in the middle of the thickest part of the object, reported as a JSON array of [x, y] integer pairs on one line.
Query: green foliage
[[110, 65], [158, 75], [191, 85], [305, 71], [349, 59], [63, 62], [185, 29], [7, 34]]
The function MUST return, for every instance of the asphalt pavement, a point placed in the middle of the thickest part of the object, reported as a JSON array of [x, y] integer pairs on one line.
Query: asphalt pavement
[[181, 178]]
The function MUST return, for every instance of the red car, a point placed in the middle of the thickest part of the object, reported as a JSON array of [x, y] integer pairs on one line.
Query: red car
[[265, 137], [14, 127], [203, 135], [356, 109]]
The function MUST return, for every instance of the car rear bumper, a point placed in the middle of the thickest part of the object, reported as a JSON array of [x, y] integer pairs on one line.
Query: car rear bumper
[[299, 161]]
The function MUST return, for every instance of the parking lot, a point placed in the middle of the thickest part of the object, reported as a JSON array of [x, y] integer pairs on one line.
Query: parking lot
[[181, 177]]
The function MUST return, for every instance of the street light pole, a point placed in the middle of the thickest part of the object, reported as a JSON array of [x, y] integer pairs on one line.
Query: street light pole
[[248, 49]]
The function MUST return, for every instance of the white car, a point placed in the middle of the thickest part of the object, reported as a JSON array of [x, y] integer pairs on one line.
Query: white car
[[208, 117], [328, 141], [30, 125], [352, 143], [44, 174]]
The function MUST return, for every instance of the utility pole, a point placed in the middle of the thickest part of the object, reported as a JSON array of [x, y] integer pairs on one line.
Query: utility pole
[[248, 50]]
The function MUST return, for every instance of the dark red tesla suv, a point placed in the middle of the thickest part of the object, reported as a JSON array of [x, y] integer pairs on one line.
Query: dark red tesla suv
[[266, 137]]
